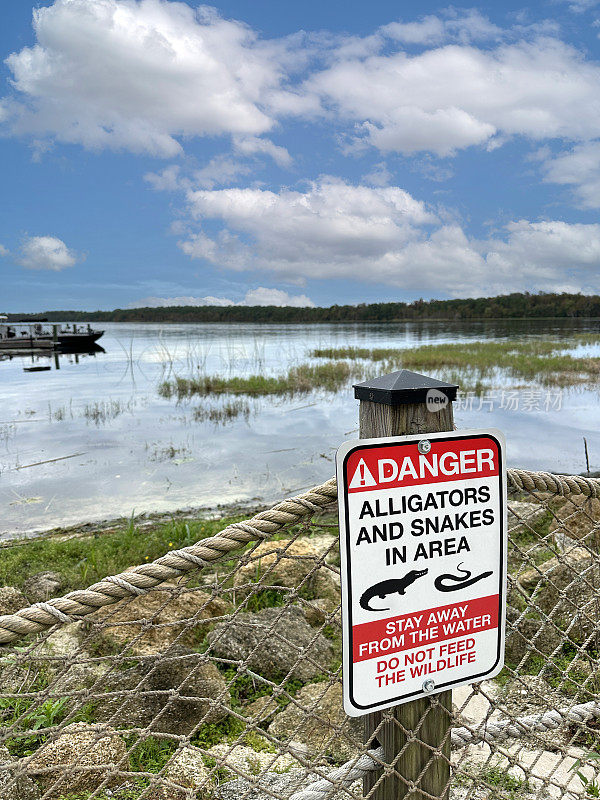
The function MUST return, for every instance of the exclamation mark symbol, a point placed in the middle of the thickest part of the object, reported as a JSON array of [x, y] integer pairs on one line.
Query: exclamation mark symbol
[[362, 473]]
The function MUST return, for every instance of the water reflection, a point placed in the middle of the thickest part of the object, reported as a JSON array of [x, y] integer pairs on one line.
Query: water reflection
[[44, 361]]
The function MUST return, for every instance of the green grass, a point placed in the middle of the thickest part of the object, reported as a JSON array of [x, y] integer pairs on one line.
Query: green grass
[[541, 360], [531, 539], [84, 559], [499, 779], [496, 779], [149, 754], [28, 718], [301, 379]]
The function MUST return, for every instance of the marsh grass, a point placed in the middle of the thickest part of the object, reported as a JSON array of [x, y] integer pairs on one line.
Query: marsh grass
[[475, 365], [300, 379], [542, 360]]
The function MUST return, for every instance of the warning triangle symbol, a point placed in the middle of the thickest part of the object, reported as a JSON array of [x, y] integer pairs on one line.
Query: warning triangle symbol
[[362, 476]]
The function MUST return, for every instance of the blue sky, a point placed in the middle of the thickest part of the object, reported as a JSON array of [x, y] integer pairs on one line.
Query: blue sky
[[296, 153]]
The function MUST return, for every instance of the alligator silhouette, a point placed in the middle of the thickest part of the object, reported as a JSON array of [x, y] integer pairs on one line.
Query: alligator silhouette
[[391, 586], [460, 582]]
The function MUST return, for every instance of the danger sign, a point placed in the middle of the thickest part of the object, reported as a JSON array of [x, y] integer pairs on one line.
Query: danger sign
[[423, 564]]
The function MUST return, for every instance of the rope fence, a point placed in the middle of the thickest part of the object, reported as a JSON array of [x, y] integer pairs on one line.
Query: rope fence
[[214, 671]]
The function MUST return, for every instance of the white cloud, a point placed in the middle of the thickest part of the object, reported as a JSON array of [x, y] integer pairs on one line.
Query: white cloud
[[551, 250], [46, 252], [167, 180], [182, 300], [331, 228], [251, 145], [579, 6], [463, 26], [4, 251], [455, 96], [579, 168], [379, 175], [261, 296], [383, 235], [221, 170], [145, 74], [141, 74]]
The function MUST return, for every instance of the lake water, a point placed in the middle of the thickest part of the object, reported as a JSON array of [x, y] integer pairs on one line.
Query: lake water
[[93, 439]]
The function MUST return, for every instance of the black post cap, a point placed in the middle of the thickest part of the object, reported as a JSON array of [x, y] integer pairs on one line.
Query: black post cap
[[399, 388]]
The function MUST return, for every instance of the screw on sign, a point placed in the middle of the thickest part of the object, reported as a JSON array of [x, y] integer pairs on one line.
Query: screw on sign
[[423, 547]]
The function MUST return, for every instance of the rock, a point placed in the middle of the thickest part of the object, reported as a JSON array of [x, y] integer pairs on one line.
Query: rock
[[240, 760], [268, 786], [262, 710], [543, 774], [66, 641], [288, 562], [321, 611], [79, 745], [320, 722], [577, 518], [530, 694], [188, 771], [150, 623], [567, 588], [145, 694], [530, 637], [275, 641], [14, 784], [520, 511], [54, 657], [559, 571], [42, 586], [80, 676], [11, 600], [474, 707], [202, 692]]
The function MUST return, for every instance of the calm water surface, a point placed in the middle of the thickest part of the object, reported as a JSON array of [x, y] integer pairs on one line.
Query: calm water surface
[[91, 438]]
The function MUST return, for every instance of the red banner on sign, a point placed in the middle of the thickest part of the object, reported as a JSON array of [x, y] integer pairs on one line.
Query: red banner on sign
[[402, 465], [393, 635]]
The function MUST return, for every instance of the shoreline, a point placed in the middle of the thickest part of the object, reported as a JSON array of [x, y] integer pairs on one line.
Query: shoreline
[[145, 521], [151, 521]]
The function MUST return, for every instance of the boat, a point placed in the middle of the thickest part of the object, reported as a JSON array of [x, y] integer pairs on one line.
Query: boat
[[67, 335], [23, 337]]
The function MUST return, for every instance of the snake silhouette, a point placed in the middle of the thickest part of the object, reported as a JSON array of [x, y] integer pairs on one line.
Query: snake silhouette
[[460, 582]]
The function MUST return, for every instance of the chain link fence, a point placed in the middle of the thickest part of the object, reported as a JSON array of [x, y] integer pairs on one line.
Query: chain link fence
[[214, 672]]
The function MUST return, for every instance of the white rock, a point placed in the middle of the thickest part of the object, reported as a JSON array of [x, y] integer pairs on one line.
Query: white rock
[[242, 761]]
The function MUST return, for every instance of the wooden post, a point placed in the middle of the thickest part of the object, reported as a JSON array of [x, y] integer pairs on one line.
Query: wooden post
[[394, 405]]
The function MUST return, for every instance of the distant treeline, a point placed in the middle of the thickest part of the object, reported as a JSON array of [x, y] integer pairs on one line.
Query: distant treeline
[[517, 305]]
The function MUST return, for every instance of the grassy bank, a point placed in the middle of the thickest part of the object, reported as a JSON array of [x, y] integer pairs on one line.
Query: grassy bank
[[84, 559]]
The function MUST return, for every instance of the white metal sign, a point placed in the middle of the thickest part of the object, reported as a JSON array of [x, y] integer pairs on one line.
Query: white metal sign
[[423, 564]]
